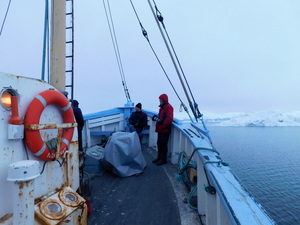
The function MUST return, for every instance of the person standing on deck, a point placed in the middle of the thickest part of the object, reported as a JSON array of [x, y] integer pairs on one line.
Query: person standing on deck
[[138, 120], [163, 128], [80, 122]]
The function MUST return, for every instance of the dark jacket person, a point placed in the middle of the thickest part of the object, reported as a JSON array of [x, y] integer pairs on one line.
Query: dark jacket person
[[138, 120], [79, 120]]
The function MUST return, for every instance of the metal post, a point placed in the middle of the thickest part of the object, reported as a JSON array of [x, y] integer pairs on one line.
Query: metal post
[[23, 173], [58, 46]]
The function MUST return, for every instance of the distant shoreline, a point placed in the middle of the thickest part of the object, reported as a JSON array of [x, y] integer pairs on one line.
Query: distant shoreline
[[254, 119]]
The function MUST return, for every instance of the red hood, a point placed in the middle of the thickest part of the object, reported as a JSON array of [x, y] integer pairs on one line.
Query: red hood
[[164, 98]]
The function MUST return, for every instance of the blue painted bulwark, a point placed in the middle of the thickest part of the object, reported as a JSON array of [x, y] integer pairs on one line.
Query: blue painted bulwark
[[234, 206]]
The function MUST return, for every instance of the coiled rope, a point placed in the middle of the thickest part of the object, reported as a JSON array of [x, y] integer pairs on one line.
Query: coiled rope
[[183, 176], [184, 166]]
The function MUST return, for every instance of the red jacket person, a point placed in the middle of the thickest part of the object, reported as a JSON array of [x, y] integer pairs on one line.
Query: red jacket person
[[163, 128]]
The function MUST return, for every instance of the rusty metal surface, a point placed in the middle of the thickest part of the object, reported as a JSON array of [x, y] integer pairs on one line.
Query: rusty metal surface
[[23, 185], [69, 198], [52, 209], [6, 218], [59, 136], [49, 126], [64, 206], [56, 175]]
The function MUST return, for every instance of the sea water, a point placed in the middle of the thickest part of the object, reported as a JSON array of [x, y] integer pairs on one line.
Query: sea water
[[267, 162]]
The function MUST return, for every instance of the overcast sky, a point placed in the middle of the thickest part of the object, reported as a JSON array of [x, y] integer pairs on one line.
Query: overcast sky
[[237, 55]]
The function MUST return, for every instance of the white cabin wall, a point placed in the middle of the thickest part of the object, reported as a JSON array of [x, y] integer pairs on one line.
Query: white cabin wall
[[55, 175]]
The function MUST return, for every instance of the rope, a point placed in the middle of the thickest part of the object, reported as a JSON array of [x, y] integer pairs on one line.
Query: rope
[[184, 167], [5, 17], [183, 176], [191, 195], [116, 47]]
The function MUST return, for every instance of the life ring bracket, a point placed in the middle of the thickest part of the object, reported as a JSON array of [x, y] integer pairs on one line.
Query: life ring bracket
[[49, 126]]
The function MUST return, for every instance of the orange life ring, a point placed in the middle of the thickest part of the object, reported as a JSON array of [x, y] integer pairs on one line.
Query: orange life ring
[[33, 137]]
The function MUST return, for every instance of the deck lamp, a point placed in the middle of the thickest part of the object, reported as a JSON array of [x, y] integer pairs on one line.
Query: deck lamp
[[6, 99]]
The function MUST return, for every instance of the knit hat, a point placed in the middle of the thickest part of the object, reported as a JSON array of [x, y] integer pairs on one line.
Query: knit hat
[[75, 103], [139, 105]]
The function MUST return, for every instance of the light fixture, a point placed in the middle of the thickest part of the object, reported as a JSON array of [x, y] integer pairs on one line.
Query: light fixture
[[53, 209], [69, 198], [6, 98], [57, 207]]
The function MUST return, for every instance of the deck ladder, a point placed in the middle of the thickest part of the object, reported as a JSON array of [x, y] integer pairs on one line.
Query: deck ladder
[[69, 72]]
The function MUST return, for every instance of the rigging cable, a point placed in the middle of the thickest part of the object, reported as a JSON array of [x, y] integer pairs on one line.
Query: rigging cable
[[5, 17], [116, 47], [147, 38], [46, 39], [160, 18]]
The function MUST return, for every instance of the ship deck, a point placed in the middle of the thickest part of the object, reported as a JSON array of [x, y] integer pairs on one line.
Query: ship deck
[[152, 197]]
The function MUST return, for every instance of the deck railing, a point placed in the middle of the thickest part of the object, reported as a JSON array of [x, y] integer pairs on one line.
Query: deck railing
[[221, 198]]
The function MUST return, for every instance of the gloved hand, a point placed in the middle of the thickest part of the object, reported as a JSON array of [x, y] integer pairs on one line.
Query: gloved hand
[[155, 118]]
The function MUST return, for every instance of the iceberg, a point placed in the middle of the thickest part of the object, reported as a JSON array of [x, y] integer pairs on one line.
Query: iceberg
[[273, 118]]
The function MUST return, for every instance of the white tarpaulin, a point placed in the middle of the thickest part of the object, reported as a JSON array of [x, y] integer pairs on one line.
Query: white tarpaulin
[[123, 152]]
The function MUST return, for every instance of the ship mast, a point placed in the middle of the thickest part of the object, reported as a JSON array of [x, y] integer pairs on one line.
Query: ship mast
[[58, 48]]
